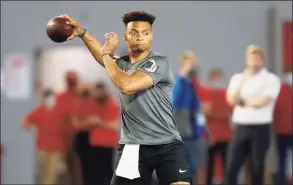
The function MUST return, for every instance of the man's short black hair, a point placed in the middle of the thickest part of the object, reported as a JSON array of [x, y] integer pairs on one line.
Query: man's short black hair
[[138, 16]]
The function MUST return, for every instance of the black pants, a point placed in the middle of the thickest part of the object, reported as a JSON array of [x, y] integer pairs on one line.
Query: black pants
[[248, 140], [169, 161], [217, 148], [283, 144], [83, 149], [101, 167]]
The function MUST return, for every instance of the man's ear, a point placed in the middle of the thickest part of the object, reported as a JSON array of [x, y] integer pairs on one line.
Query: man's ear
[[124, 36]]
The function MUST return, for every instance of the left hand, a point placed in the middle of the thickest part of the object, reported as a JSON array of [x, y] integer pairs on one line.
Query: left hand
[[111, 43]]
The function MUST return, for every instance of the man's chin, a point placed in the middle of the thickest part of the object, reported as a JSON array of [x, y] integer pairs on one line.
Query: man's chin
[[138, 50]]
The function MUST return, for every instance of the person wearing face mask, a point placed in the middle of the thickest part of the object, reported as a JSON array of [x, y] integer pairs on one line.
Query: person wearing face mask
[[218, 122], [79, 119], [66, 103], [103, 122], [253, 94], [47, 124], [283, 126], [188, 115]]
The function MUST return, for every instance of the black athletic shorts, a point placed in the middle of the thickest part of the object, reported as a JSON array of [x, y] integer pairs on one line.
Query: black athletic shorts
[[169, 161]]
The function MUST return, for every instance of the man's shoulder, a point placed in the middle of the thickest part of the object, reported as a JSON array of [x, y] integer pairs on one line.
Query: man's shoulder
[[236, 76], [273, 76], [157, 56]]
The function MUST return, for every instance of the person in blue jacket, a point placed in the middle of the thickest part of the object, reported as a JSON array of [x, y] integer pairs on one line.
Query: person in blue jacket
[[187, 113]]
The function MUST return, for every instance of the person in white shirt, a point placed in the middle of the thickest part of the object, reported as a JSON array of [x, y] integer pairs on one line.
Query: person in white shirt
[[252, 93]]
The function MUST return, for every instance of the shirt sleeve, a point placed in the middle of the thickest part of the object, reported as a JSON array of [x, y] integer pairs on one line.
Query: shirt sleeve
[[158, 68], [32, 117], [179, 91], [233, 83], [273, 87], [120, 63]]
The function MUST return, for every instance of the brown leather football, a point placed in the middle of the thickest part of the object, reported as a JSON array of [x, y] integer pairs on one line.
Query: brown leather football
[[57, 29]]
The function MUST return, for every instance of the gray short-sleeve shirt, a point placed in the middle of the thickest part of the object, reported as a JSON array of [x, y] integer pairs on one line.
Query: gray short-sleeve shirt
[[147, 115]]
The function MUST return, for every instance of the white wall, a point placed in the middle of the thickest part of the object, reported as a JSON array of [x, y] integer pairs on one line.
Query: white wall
[[55, 62]]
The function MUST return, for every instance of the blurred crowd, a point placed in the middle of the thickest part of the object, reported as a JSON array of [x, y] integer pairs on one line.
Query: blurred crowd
[[78, 129], [76, 133]]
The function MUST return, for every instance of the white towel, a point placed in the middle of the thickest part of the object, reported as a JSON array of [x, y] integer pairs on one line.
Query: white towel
[[128, 164]]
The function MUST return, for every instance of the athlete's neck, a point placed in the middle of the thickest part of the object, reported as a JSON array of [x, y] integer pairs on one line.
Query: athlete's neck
[[134, 57]]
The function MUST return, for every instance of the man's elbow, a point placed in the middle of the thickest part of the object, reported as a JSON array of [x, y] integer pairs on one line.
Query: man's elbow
[[127, 90], [230, 100]]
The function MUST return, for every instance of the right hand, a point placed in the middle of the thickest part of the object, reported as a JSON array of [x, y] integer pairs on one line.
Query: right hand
[[78, 30]]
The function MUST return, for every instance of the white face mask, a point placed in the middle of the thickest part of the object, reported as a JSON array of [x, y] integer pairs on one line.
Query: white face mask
[[288, 78], [50, 102]]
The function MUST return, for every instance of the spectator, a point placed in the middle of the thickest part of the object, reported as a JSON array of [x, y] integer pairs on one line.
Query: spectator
[[103, 137], [283, 126], [218, 121], [253, 94], [66, 104], [50, 142], [83, 148], [188, 114]]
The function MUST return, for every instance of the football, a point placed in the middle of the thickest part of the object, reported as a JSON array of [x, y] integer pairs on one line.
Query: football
[[57, 29]]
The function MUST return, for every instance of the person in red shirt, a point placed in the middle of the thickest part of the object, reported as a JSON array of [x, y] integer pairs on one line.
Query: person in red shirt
[[83, 148], [283, 126], [47, 123], [104, 121], [66, 103], [217, 121]]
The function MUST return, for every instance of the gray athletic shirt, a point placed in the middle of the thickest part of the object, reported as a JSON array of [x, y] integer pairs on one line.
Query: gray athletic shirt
[[147, 116]]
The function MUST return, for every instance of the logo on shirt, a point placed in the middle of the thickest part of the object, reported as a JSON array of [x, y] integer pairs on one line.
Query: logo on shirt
[[150, 66]]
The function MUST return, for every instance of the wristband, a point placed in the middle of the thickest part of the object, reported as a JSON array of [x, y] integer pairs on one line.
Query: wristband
[[81, 35], [110, 54]]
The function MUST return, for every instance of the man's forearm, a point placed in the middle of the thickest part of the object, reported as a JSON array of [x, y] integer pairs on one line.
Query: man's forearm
[[118, 77], [258, 102], [94, 46], [234, 98]]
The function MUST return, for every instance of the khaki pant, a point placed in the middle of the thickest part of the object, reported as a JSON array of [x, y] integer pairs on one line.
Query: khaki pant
[[50, 164], [73, 173]]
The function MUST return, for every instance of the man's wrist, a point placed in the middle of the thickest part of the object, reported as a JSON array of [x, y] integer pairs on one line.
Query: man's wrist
[[82, 33], [107, 54]]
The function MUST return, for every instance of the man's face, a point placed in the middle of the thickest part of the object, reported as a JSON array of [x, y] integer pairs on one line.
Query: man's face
[[216, 79], [138, 35], [71, 80], [188, 61], [49, 101], [99, 93], [254, 60]]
